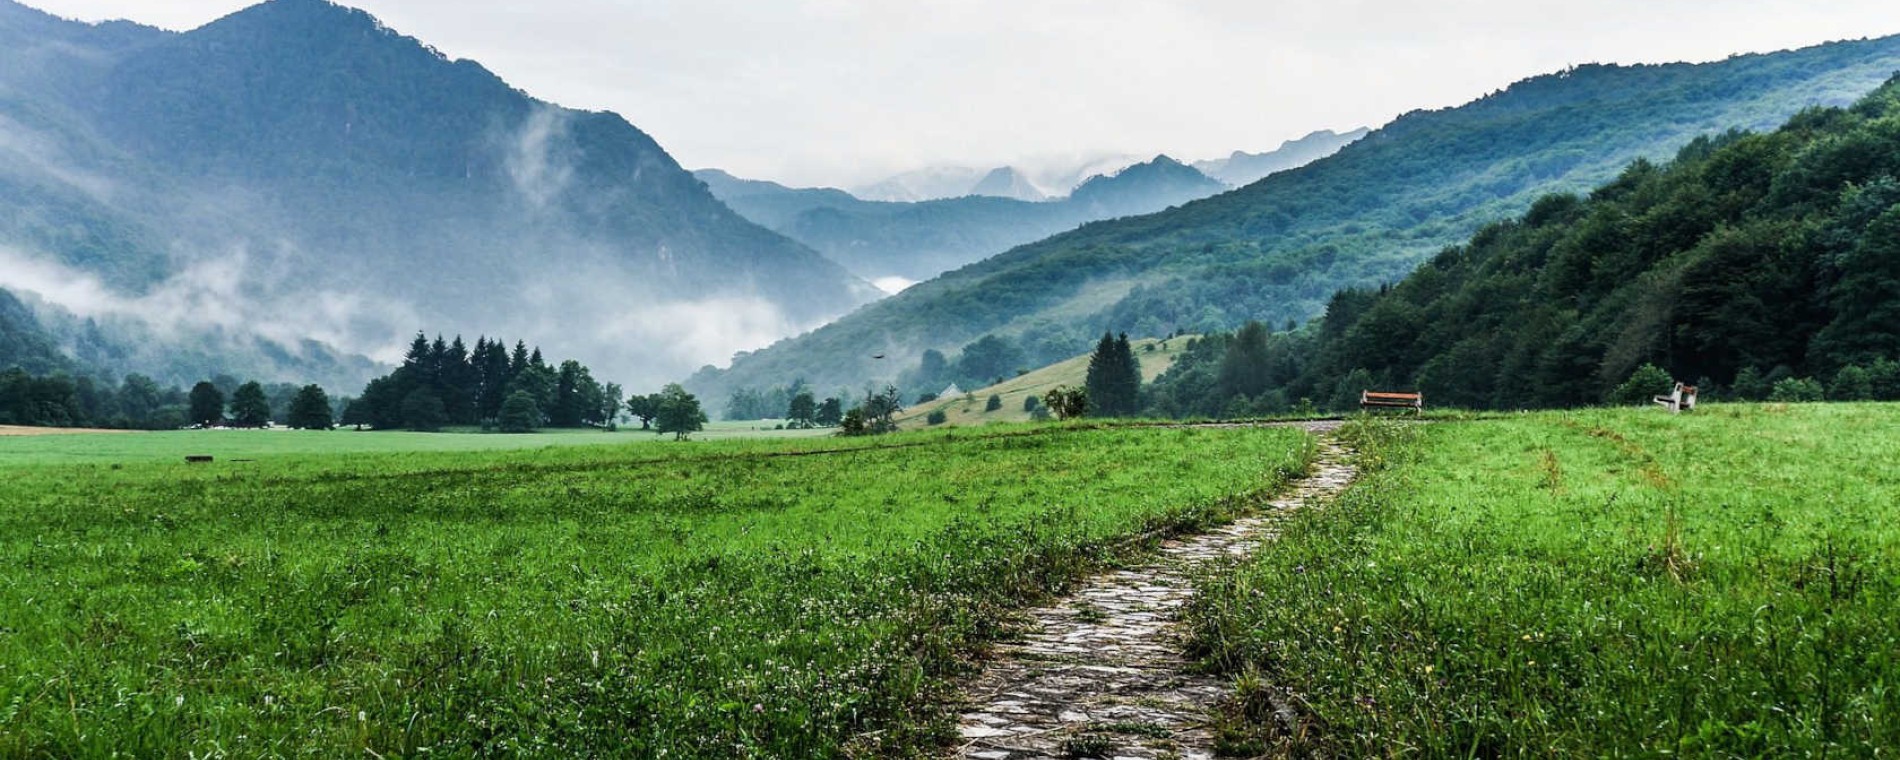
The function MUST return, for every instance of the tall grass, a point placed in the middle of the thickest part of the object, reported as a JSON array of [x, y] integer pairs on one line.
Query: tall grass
[[1604, 583], [802, 599]]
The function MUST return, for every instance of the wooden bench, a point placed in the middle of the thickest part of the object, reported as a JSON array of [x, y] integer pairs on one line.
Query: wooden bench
[[1377, 400], [1679, 401], [198, 459]]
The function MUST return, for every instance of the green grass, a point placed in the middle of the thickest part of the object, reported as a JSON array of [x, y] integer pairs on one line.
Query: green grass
[[1155, 355], [59, 448], [1597, 583], [726, 599]]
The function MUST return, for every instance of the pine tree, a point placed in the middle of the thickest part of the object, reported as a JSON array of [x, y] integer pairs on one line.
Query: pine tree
[[1127, 376], [1114, 377], [1100, 380]]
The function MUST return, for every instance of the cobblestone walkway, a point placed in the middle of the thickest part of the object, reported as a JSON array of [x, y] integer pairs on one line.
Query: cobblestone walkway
[[1101, 674]]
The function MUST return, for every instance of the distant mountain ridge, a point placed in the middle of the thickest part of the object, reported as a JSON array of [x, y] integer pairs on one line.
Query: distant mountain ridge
[[1242, 169], [1280, 248], [917, 241], [297, 170], [1007, 182]]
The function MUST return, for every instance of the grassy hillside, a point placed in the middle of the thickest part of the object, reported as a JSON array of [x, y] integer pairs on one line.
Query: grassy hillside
[[1156, 356], [1280, 248], [688, 601], [1590, 584]]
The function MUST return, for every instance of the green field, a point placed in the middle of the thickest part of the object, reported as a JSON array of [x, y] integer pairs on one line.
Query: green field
[[1590, 584], [721, 599], [56, 448]]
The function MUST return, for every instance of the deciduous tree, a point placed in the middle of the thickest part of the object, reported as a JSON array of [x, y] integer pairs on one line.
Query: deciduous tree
[[310, 410]]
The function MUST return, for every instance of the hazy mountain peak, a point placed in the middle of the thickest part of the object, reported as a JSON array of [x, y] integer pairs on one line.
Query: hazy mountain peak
[[1007, 182], [1242, 168]]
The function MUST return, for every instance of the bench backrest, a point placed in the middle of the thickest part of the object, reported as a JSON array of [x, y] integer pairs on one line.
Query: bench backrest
[[1405, 400]]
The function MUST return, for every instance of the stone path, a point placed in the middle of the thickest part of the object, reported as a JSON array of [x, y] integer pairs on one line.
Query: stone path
[[1101, 674]]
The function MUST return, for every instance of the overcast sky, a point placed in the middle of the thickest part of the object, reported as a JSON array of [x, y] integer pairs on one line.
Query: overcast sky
[[845, 91]]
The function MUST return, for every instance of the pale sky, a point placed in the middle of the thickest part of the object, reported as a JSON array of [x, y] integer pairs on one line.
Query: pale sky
[[840, 92]]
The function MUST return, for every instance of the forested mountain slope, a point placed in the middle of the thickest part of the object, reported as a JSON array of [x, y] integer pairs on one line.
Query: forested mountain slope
[[298, 171], [1280, 248], [1750, 259]]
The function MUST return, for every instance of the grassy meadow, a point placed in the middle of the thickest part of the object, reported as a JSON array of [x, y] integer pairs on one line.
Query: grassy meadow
[[54, 446], [805, 598], [1155, 355], [1592, 583]]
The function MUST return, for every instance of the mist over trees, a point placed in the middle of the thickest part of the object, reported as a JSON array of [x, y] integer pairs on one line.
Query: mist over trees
[[313, 156], [1281, 248]]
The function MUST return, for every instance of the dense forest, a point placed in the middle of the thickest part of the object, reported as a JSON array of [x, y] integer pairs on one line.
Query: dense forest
[[1753, 265], [448, 383], [1280, 248]]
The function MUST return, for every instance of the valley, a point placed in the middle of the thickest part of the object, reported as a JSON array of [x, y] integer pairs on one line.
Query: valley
[[359, 400]]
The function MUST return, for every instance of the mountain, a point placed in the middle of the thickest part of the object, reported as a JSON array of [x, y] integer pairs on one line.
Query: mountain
[[1007, 182], [1142, 188], [1280, 248], [1749, 260], [1242, 169], [298, 172], [1036, 178], [24, 343], [917, 241], [922, 185]]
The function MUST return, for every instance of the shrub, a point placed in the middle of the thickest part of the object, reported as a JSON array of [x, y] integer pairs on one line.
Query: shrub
[[519, 414], [936, 417], [1067, 403], [995, 403], [1852, 383], [1884, 377], [1796, 390], [1643, 385], [1749, 385]]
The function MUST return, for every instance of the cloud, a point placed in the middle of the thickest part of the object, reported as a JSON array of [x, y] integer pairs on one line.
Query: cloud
[[536, 165], [21, 147], [893, 285], [228, 294]]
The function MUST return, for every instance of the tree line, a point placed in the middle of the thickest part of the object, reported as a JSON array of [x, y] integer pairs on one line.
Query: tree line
[[1755, 266], [441, 383], [140, 403]]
